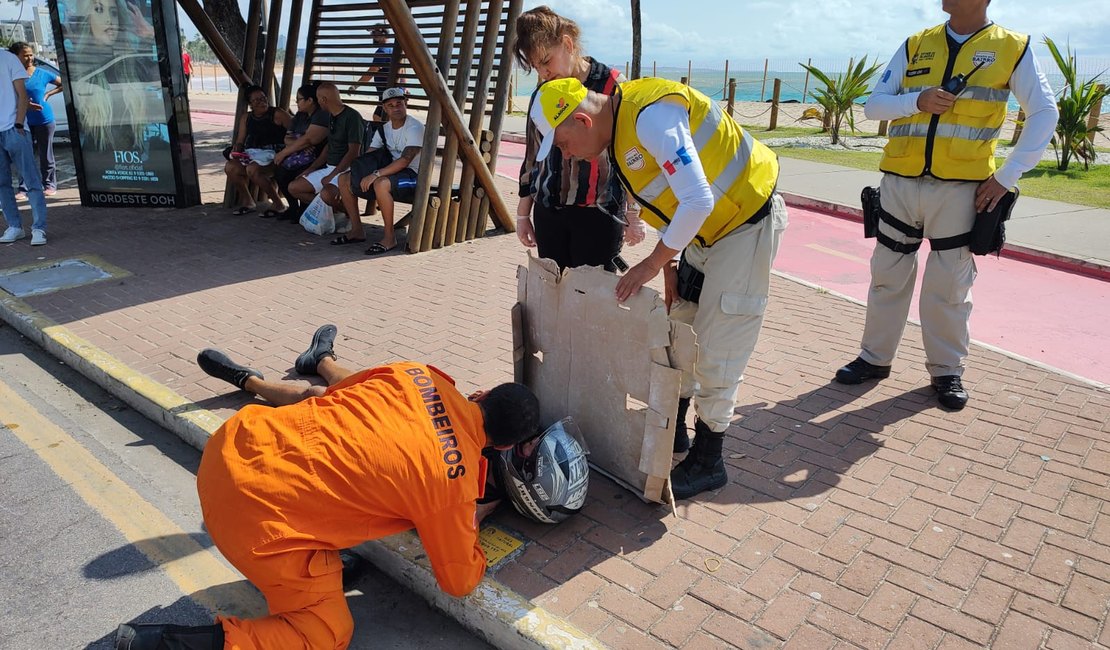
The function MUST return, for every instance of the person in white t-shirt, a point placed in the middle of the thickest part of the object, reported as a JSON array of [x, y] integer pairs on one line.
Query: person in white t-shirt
[[386, 173], [15, 147]]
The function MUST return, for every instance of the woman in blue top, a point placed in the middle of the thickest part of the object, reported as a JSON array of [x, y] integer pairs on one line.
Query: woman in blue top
[[40, 117]]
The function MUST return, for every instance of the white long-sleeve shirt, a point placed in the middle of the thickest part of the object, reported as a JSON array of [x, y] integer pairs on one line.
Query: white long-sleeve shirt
[[664, 130], [1028, 83]]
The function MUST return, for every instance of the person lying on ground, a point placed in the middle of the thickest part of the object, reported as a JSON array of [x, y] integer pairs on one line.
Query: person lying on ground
[[377, 452], [386, 173]]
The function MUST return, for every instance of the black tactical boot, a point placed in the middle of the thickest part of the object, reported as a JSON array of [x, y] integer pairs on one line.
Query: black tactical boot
[[859, 371], [130, 636], [218, 365], [950, 391], [681, 435], [702, 469], [322, 342]]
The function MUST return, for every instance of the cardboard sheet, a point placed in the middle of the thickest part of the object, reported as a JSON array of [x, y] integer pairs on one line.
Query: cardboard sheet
[[612, 367]]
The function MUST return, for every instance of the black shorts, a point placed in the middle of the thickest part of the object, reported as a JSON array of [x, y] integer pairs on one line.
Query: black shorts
[[402, 183]]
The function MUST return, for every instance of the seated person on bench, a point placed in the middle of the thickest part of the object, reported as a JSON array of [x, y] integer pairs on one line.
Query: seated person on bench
[[344, 145], [387, 173], [306, 138]]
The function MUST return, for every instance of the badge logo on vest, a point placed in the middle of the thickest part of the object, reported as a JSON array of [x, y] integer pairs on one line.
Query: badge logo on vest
[[922, 56], [918, 72], [986, 58], [634, 159]]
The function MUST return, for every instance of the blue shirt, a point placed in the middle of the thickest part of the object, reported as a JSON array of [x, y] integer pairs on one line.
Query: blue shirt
[[383, 56], [36, 91]]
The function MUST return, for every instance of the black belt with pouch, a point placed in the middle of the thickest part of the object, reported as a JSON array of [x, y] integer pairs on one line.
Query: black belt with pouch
[[690, 280], [872, 211], [988, 232]]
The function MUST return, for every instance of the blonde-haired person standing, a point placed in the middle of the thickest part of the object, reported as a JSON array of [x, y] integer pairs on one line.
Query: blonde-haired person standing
[[572, 211]]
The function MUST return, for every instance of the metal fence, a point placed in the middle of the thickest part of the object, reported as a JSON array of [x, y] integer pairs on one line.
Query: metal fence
[[755, 77]]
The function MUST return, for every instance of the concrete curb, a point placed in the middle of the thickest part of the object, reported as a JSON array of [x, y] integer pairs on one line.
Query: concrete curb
[[1090, 268], [492, 611]]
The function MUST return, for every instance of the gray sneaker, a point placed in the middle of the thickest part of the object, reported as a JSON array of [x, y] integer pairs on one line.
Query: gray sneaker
[[12, 234]]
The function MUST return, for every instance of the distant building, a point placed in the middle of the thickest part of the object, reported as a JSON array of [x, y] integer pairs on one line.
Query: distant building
[[37, 32]]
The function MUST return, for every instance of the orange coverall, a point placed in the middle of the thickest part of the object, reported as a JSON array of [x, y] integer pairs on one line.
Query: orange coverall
[[283, 489]]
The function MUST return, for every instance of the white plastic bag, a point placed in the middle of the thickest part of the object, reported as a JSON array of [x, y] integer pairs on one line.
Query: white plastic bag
[[342, 223], [261, 156], [318, 218]]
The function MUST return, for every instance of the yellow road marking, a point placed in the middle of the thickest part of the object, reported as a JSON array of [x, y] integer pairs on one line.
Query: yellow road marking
[[836, 253], [194, 569]]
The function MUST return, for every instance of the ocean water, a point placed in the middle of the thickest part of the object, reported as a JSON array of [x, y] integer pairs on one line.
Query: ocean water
[[796, 84]]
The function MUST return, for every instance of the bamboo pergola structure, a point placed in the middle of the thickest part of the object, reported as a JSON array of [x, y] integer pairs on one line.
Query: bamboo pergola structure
[[450, 56]]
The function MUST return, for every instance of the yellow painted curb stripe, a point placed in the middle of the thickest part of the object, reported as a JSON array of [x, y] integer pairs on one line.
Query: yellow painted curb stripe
[[192, 568], [490, 598], [161, 396]]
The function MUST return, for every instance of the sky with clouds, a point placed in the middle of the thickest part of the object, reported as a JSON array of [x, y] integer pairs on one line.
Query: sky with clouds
[[710, 31]]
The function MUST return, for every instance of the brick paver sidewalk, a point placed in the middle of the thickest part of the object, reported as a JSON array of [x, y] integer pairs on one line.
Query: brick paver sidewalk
[[860, 516]]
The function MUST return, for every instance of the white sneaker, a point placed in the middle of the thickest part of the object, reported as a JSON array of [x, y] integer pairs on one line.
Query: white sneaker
[[38, 237], [12, 234]]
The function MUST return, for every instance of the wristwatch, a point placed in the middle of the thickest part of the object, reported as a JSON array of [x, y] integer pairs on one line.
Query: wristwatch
[[19, 125]]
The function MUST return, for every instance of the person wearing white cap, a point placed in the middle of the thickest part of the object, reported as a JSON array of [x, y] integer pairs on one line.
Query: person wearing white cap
[[710, 188], [386, 173]]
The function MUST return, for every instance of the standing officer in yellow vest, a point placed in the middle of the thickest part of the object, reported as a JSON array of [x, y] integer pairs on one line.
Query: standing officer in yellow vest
[[710, 187], [939, 172]]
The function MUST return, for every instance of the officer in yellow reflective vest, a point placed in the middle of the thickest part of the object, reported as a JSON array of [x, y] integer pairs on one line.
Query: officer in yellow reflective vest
[[710, 188], [940, 172]]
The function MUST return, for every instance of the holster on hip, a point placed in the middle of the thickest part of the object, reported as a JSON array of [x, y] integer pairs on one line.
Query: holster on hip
[[690, 280], [988, 233], [872, 211]]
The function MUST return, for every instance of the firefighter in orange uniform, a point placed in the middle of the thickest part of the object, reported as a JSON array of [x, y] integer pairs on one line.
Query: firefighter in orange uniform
[[377, 452]]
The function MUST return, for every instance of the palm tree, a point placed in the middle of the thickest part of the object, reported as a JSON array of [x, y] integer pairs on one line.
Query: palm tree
[[1073, 136], [635, 39], [841, 93]]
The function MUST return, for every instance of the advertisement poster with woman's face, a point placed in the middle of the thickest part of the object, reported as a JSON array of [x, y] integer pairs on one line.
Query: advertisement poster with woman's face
[[116, 91]]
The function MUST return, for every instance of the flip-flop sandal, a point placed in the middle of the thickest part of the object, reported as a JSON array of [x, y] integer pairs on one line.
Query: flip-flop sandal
[[343, 240], [270, 214], [241, 211], [377, 249]]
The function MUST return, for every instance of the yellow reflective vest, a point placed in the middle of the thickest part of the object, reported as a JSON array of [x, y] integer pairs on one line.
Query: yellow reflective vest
[[959, 144], [742, 172]]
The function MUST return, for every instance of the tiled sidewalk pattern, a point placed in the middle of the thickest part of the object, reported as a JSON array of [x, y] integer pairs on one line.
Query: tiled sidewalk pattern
[[856, 516]]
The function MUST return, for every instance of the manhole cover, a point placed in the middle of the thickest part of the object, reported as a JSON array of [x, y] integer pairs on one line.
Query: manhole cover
[[44, 279]]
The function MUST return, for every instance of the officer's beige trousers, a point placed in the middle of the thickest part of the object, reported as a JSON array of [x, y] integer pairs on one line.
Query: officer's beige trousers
[[729, 314], [943, 209]]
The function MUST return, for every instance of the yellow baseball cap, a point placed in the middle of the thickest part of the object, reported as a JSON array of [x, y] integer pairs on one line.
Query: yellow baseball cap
[[552, 103]]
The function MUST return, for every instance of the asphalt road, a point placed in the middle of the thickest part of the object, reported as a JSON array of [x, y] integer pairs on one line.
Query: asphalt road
[[99, 524]]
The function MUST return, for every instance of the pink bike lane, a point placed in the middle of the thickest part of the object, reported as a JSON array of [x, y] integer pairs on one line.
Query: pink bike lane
[[1043, 314]]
